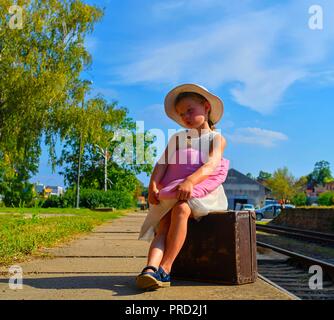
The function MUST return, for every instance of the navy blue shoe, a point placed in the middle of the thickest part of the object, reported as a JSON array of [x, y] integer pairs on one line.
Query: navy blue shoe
[[164, 277], [153, 280], [149, 280]]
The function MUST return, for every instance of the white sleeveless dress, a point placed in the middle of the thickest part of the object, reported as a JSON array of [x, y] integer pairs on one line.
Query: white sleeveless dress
[[212, 202]]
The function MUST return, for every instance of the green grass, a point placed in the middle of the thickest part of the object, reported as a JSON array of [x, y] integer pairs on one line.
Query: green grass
[[262, 222], [314, 207], [46, 210], [21, 236]]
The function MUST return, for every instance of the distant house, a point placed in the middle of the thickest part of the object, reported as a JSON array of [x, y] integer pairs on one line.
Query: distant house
[[55, 190], [49, 190], [313, 191], [39, 188], [316, 190], [329, 186], [319, 189], [241, 189]]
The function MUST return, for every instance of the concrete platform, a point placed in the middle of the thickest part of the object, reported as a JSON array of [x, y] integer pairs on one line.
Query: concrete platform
[[102, 247], [103, 265]]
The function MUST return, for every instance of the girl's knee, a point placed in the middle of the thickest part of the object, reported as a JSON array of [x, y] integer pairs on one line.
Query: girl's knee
[[181, 209], [182, 205]]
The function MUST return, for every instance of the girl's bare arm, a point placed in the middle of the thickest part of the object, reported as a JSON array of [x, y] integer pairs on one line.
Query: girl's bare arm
[[159, 169], [157, 174], [161, 166]]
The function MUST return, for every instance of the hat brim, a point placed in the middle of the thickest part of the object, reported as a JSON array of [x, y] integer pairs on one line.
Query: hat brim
[[217, 105]]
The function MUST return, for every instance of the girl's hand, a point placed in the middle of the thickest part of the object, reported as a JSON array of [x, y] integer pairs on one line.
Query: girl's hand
[[153, 194], [184, 190]]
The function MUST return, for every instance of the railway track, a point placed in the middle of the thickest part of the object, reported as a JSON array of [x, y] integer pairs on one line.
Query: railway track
[[305, 235], [292, 274]]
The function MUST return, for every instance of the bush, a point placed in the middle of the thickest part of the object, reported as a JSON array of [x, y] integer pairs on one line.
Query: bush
[[38, 202], [19, 194], [53, 202], [300, 199], [91, 198], [326, 199], [66, 200]]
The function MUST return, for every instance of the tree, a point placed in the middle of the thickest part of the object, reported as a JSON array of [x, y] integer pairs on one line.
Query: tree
[[111, 118], [263, 176], [320, 174], [328, 180], [301, 184], [96, 127], [249, 175], [326, 199], [86, 119], [39, 67], [14, 179], [281, 184], [299, 199]]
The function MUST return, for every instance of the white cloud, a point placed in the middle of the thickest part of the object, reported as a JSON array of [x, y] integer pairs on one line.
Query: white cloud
[[219, 54], [264, 91], [324, 78], [263, 137], [260, 54]]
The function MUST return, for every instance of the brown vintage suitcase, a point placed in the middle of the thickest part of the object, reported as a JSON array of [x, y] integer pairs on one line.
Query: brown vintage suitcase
[[221, 247]]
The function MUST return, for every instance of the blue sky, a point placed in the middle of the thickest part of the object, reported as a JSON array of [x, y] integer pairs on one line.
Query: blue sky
[[274, 73]]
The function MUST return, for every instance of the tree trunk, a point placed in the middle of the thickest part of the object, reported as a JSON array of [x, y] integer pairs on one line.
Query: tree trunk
[[105, 169], [79, 169]]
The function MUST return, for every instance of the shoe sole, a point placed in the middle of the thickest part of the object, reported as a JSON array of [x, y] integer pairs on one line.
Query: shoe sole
[[148, 282]]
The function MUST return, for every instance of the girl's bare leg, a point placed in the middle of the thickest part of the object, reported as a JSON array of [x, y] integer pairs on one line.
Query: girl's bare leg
[[157, 247], [176, 234]]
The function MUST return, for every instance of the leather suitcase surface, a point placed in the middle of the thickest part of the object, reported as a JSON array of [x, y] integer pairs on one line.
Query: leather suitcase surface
[[221, 247]]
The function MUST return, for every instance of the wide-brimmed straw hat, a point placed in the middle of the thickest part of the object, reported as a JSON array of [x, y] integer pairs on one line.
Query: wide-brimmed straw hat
[[217, 105]]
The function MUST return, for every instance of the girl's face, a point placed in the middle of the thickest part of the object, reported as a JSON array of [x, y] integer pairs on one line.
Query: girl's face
[[192, 112]]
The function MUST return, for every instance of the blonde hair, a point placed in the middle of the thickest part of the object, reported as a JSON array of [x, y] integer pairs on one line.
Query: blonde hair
[[198, 97]]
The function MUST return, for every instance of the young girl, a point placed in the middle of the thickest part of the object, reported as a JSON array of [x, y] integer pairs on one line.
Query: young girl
[[177, 190]]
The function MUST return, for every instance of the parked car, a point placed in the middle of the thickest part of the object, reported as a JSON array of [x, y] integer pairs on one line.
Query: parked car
[[270, 201], [248, 206], [270, 211]]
